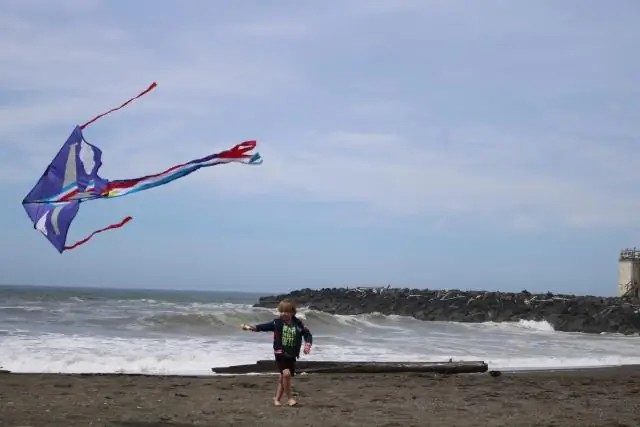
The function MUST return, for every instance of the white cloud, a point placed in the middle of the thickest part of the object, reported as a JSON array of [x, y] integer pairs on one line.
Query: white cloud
[[341, 113]]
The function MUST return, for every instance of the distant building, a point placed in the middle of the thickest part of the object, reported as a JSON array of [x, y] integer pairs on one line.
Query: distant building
[[629, 273]]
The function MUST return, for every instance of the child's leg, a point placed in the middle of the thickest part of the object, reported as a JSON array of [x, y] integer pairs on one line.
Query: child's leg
[[279, 390], [286, 383], [286, 366], [287, 378]]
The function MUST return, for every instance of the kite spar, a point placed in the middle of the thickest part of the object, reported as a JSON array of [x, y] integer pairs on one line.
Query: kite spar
[[72, 178]]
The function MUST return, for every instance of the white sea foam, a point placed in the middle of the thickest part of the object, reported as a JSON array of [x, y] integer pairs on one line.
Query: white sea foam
[[155, 336], [68, 354], [507, 347]]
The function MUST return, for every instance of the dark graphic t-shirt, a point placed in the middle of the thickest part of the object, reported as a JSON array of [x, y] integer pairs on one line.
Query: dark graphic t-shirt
[[289, 333]]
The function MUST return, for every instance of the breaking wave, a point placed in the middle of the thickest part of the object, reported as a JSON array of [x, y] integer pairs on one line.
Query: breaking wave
[[154, 335]]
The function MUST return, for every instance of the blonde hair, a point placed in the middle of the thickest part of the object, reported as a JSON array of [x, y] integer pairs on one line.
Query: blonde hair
[[287, 306]]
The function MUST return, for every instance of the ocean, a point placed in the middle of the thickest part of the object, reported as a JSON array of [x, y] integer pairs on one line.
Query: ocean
[[73, 330]]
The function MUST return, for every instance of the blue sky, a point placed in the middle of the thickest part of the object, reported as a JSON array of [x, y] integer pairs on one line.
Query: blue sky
[[421, 143]]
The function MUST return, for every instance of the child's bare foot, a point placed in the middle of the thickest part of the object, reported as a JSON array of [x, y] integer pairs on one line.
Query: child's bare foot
[[292, 402], [276, 402]]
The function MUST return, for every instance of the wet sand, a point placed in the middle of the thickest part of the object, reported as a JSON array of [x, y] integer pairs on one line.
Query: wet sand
[[591, 397]]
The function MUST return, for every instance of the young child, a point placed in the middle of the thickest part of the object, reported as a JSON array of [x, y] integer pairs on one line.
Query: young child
[[288, 332]]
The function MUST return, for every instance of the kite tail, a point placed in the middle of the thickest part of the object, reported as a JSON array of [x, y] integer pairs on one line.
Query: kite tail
[[110, 227], [147, 90]]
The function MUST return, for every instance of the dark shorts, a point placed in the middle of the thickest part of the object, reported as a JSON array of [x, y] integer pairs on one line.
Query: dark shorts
[[286, 362]]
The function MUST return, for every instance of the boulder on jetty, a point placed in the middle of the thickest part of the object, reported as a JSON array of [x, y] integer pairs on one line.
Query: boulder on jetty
[[339, 367], [567, 313]]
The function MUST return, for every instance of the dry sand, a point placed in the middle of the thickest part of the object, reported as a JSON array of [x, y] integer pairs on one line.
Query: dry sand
[[602, 397]]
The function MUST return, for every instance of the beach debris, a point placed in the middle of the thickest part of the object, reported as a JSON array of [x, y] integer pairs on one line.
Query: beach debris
[[357, 367]]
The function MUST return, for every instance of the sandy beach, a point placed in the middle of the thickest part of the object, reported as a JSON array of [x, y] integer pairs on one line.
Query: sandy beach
[[590, 397]]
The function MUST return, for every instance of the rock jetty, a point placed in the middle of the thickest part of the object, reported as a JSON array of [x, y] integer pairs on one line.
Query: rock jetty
[[568, 313]]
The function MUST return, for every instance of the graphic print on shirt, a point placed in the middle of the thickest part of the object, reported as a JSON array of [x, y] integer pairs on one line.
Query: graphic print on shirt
[[288, 336]]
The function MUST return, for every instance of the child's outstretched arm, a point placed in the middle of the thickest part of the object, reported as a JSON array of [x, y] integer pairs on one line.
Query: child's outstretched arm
[[261, 327]]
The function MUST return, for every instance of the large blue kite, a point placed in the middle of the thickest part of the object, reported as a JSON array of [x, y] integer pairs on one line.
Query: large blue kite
[[72, 178]]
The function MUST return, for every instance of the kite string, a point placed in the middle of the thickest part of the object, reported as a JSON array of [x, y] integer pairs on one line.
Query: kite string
[[110, 227], [147, 90]]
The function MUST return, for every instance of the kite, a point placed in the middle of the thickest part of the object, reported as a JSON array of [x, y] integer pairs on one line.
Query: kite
[[72, 178]]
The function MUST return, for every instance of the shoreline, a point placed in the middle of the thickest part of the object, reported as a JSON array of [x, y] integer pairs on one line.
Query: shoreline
[[578, 397], [501, 371]]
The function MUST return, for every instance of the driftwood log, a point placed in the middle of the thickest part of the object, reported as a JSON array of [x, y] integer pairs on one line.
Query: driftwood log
[[336, 367]]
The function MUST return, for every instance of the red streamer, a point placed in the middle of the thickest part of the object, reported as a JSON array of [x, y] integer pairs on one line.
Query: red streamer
[[110, 227], [147, 90]]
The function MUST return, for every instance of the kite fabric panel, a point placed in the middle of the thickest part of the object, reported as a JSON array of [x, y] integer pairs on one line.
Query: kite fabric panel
[[72, 178]]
